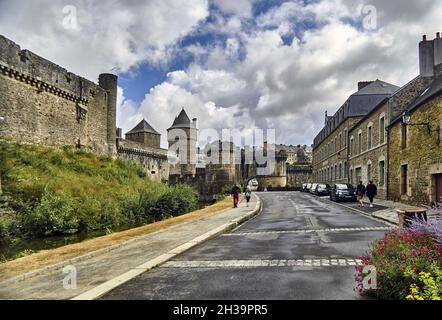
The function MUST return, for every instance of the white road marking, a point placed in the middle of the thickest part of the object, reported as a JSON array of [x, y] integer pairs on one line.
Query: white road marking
[[263, 263], [308, 231]]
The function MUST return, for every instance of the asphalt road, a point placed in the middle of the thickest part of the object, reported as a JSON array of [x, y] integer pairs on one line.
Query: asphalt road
[[299, 247]]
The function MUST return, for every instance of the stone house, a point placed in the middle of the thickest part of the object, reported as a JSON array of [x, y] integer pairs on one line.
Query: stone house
[[368, 149], [331, 145], [415, 150]]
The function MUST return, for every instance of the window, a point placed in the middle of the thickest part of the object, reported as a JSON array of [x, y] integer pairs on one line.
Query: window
[[360, 143], [404, 179], [358, 175], [404, 135], [370, 137], [345, 169], [340, 171], [369, 173], [345, 137], [382, 130], [381, 173], [351, 146], [340, 141], [336, 172]]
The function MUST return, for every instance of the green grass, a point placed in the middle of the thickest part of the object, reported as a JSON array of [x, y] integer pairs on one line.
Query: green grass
[[67, 191]]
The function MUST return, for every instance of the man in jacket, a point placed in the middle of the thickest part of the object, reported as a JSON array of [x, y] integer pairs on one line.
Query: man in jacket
[[235, 193], [372, 191]]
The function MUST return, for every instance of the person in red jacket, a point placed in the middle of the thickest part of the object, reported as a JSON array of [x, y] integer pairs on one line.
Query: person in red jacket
[[235, 193]]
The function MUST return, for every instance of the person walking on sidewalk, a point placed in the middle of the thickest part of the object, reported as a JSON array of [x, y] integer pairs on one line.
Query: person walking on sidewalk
[[360, 192], [235, 193], [372, 191], [248, 195]]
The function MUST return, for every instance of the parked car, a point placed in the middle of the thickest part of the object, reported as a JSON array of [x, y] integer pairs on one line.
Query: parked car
[[343, 192], [304, 187], [322, 190], [313, 188], [308, 187]]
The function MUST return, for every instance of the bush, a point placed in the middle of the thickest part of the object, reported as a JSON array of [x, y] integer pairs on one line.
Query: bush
[[177, 201], [54, 215], [394, 256]]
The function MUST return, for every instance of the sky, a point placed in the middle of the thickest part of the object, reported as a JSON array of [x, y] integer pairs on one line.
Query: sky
[[233, 64]]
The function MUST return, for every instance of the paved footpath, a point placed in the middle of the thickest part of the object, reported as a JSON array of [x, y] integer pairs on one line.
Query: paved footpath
[[100, 272], [299, 247]]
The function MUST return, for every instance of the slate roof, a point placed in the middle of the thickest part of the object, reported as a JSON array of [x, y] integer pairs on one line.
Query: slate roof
[[143, 127], [434, 89], [358, 104], [182, 121]]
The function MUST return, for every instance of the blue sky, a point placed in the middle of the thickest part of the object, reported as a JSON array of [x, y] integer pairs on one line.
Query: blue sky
[[233, 64]]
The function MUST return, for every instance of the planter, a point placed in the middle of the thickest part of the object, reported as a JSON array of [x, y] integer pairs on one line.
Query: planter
[[406, 215]]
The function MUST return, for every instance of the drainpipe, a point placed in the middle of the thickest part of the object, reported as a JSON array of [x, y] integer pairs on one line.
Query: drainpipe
[[2, 119], [387, 182]]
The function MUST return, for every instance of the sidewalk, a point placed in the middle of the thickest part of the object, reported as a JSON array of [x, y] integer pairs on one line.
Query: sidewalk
[[101, 272], [384, 210]]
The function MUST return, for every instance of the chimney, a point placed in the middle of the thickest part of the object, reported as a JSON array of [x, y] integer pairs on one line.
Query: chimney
[[363, 84], [438, 53], [195, 123], [426, 57]]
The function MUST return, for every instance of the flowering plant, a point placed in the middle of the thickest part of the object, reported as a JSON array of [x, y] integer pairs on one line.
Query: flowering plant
[[396, 256]]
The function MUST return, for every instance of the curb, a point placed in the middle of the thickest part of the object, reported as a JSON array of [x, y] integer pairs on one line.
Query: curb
[[108, 286]]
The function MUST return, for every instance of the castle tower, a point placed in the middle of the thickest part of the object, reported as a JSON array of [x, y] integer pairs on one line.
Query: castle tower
[[182, 137], [109, 83], [146, 135]]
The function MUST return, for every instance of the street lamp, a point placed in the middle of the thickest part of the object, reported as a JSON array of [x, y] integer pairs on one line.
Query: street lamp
[[406, 119]]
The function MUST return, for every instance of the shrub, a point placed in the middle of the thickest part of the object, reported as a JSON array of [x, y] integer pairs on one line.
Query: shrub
[[427, 285], [394, 255], [177, 201], [54, 215]]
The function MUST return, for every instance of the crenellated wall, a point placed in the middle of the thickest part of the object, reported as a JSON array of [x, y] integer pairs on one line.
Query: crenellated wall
[[41, 102]]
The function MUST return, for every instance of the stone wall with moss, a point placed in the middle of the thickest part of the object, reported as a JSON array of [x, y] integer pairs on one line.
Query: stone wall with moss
[[423, 155]]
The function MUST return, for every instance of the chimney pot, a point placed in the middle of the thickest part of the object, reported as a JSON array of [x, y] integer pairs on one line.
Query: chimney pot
[[424, 37], [438, 35]]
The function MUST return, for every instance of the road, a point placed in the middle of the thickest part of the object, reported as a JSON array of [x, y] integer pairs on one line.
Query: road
[[299, 247]]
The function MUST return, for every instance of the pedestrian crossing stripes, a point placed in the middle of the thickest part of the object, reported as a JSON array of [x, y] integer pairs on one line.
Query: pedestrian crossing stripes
[[236, 234], [264, 263]]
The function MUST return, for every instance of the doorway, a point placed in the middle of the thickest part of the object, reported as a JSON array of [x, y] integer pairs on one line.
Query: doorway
[[439, 188]]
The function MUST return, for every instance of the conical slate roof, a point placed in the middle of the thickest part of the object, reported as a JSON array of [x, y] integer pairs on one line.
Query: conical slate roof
[[182, 121], [143, 127]]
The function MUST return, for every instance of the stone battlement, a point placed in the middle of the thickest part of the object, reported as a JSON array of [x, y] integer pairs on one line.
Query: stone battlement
[[43, 103]]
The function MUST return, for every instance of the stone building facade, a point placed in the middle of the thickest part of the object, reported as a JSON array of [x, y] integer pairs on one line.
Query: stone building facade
[[331, 146], [415, 148], [368, 151]]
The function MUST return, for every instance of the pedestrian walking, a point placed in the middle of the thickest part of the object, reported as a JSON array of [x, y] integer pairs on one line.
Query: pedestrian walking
[[372, 191], [360, 192], [235, 193], [248, 195]]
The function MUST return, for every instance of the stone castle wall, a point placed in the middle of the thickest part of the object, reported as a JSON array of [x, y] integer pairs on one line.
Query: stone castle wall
[[154, 161], [43, 103]]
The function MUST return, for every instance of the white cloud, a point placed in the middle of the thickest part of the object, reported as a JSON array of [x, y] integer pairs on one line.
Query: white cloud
[[112, 36], [251, 75]]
